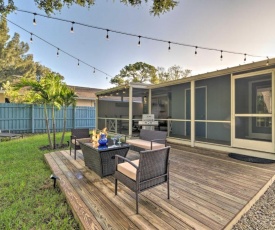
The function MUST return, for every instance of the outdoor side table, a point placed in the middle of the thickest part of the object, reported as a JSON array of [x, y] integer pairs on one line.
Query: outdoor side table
[[102, 159]]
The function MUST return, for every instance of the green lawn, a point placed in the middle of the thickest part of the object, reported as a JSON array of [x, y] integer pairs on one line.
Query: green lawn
[[27, 197]]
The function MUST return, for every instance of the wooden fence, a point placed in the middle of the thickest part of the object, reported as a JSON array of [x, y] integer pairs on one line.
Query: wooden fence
[[29, 118]]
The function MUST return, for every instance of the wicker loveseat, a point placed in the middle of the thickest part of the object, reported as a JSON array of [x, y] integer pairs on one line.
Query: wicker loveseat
[[148, 140], [150, 170]]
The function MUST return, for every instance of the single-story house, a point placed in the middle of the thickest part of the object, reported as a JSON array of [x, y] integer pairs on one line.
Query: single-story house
[[86, 96], [231, 109], [2, 96]]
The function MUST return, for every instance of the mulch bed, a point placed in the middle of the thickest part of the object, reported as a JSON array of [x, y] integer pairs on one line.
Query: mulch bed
[[47, 147]]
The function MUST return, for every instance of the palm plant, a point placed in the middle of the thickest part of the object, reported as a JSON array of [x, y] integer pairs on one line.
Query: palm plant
[[37, 94], [67, 98], [45, 92]]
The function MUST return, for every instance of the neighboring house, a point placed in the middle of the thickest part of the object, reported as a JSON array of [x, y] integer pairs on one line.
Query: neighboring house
[[231, 109], [2, 96], [86, 96]]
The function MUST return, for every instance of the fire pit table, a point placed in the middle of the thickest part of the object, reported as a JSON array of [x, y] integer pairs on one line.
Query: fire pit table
[[101, 159]]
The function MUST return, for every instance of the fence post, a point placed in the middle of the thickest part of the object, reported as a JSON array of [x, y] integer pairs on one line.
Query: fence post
[[32, 119]]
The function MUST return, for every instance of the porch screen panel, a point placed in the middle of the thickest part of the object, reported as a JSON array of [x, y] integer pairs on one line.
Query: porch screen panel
[[253, 108]]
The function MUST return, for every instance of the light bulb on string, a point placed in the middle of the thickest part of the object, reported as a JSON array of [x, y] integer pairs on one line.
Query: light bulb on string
[[138, 41], [221, 55], [31, 38], [169, 47], [57, 53], [196, 50], [107, 35], [267, 61], [34, 21], [106, 77], [244, 58], [94, 71], [72, 28], [77, 62]]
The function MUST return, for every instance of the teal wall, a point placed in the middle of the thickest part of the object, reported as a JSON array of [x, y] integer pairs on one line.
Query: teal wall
[[28, 118]]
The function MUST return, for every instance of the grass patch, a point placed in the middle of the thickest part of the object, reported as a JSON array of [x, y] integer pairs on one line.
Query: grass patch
[[27, 197]]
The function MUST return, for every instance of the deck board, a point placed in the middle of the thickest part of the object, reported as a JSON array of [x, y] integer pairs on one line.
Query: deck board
[[208, 190]]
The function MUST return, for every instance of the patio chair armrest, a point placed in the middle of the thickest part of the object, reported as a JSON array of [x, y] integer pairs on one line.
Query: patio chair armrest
[[125, 159]]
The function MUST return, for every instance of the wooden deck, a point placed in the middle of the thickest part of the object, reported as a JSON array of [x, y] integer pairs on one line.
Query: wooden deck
[[209, 190]]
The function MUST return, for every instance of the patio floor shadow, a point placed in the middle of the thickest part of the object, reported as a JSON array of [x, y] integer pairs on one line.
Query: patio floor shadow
[[208, 190]]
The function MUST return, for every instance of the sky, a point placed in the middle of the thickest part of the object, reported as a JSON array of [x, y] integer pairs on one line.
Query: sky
[[245, 26]]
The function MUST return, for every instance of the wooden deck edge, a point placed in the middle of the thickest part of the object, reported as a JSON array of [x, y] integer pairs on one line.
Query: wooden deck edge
[[86, 220], [249, 204]]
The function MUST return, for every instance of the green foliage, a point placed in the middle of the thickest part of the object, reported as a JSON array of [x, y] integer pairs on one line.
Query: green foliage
[[14, 60], [175, 72], [145, 73], [27, 197], [49, 90], [137, 72], [49, 6]]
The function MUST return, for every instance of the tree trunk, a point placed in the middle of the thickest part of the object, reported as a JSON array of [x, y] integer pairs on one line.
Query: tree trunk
[[53, 122], [64, 125], [47, 126]]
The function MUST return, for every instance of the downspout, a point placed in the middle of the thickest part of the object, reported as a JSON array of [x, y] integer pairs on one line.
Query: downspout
[[96, 112], [149, 102], [192, 104], [130, 110]]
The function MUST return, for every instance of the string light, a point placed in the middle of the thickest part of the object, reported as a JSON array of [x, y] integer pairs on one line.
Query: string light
[[196, 50], [144, 37], [57, 53], [78, 62], [221, 55], [72, 28], [58, 49], [107, 35], [244, 58], [106, 77], [94, 71], [169, 47], [34, 21], [267, 61], [139, 41], [31, 38]]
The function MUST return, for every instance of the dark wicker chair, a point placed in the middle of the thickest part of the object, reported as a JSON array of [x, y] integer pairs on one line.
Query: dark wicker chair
[[75, 135], [150, 170]]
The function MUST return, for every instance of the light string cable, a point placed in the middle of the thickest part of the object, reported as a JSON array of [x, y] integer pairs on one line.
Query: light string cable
[[139, 37], [58, 49]]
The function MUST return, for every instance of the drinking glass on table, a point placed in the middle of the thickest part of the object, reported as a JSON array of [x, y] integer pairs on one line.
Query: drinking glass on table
[[114, 138], [118, 138]]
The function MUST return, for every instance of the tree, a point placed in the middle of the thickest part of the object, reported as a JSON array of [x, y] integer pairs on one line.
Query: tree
[[49, 6], [67, 98], [162, 74], [14, 60], [174, 72], [46, 92], [137, 72]]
